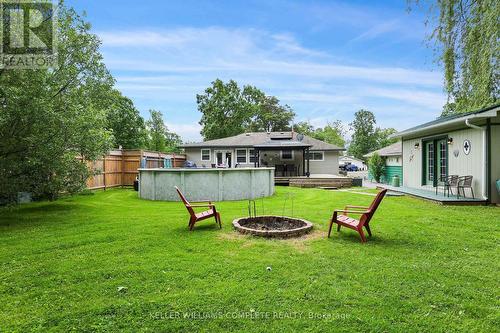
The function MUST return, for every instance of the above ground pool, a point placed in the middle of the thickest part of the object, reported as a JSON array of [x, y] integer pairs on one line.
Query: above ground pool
[[206, 184]]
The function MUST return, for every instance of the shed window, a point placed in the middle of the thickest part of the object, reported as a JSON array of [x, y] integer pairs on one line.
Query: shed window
[[241, 156], [205, 154]]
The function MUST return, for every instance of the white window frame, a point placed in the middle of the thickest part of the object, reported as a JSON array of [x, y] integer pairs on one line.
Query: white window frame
[[236, 155], [209, 155], [250, 155], [322, 156], [287, 159]]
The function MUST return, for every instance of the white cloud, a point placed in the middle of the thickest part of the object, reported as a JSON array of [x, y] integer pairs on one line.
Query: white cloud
[[165, 69], [188, 132]]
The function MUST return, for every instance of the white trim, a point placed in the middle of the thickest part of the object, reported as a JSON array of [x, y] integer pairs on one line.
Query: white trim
[[209, 155], [251, 155], [287, 159], [224, 152], [485, 114], [236, 155], [322, 156]]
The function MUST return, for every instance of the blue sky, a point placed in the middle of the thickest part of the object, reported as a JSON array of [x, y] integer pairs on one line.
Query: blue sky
[[326, 59]]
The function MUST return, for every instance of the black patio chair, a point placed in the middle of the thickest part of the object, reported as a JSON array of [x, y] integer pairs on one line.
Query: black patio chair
[[291, 170], [463, 183], [447, 183], [280, 170]]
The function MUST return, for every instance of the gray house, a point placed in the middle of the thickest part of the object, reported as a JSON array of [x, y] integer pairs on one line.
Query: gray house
[[466, 144], [291, 154]]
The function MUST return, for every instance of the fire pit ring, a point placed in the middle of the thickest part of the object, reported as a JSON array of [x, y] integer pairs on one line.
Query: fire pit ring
[[272, 226]]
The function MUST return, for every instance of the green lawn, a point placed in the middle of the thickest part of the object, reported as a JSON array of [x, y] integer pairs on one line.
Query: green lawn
[[427, 268]]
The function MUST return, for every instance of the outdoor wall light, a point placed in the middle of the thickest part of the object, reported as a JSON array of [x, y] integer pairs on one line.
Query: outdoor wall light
[[450, 141], [417, 145]]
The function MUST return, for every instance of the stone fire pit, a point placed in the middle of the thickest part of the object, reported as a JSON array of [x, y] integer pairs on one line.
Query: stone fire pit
[[272, 226]]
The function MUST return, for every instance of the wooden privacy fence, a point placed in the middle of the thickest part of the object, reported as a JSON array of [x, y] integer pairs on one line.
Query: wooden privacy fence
[[119, 167]]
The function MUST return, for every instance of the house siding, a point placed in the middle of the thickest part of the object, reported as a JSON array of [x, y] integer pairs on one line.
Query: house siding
[[461, 165], [330, 164]]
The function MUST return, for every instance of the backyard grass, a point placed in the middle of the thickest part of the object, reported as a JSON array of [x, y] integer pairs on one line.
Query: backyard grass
[[428, 268]]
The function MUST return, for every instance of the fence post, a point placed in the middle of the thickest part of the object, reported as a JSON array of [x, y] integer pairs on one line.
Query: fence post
[[104, 171], [123, 169]]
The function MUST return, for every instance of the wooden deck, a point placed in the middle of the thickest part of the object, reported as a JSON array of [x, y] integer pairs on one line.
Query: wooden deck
[[432, 196], [310, 182]]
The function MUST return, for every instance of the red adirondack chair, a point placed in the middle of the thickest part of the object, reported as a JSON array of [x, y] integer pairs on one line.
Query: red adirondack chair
[[196, 217], [366, 215]]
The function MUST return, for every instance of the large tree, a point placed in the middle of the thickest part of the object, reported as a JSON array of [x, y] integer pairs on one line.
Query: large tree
[[160, 138], [333, 133], [383, 137], [367, 137], [51, 117], [229, 110], [226, 109], [271, 116], [466, 36], [304, 127], [364, 138], [126, 123]]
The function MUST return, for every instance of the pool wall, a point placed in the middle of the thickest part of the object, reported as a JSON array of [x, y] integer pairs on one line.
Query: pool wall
[[206, 184]]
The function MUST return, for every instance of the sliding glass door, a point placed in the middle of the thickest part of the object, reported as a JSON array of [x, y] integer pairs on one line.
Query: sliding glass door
[[435, 161]]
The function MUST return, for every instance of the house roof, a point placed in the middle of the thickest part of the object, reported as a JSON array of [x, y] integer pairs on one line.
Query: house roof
[[396, 149], [266, 140], [350, 158], [447, 121]]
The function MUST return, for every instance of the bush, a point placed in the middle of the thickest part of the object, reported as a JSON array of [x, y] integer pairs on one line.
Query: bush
[[377, 166]]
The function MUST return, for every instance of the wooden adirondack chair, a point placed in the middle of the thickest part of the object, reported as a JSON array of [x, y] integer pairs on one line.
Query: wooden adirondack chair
[[366, 215], [196, 217]]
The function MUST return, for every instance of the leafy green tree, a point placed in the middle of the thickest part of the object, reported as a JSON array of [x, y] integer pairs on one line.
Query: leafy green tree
[[126, 123], [376, 165], [160, 138], [466, 37], [304, 127], [271, 116], [333, 133], [229, 110], [51, 117], [364, 139], [383, 137], [226, 109], [157, 129]]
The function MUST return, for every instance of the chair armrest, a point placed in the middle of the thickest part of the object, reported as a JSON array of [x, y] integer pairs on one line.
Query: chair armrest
[[198, 206], [200, 201], [350, 211], [351, 206]]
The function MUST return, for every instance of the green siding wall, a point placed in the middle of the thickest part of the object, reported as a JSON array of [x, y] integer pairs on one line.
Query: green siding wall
[[390, 172]]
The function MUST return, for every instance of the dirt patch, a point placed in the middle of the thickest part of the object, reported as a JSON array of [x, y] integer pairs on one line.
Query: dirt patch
[[300, 243], [272, 226]]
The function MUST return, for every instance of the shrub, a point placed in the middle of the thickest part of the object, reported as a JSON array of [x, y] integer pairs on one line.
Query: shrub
[[377, 166]]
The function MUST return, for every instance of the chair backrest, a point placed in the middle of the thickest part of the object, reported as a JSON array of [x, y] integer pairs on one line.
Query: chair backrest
[[465, 181], [185, 201], [453, 180], [373, 207]]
